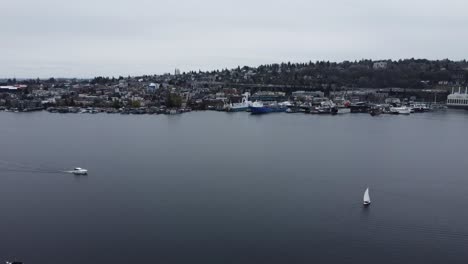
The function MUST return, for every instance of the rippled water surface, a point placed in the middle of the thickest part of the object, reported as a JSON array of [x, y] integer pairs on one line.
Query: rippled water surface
[[210, 187]]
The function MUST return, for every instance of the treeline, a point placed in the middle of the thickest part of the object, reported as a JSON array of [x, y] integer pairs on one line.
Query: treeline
[[408, 73]]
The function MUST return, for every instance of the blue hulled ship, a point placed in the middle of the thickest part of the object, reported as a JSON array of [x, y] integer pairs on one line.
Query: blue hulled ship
[[261, 108]]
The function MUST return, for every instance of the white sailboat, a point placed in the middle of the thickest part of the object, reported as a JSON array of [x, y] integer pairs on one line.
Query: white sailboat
[[366, 197]]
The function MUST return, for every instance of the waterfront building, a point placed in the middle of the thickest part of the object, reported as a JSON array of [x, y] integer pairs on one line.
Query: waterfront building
[[458, 99], [308, 94], [9, 89]]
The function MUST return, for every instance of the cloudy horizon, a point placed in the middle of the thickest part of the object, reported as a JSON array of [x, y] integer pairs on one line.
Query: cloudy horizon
[[110, 38]]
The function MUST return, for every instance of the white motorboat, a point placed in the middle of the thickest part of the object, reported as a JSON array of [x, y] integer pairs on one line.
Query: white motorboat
[[367, 200], [344, 110], [79, 171], [403, 110], [420, 108]]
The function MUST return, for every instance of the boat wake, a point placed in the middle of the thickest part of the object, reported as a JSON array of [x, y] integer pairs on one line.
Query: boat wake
[[10, 166]]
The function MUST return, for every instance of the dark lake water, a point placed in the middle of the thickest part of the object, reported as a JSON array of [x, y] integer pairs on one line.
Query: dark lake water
[[210, 187]]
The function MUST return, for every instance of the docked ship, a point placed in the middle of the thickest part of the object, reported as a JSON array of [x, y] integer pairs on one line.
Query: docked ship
[[420, 108], [458, 100], [242, 106], [325, 107], [342, 105], [360, 107], [375, 110], [262, 108]]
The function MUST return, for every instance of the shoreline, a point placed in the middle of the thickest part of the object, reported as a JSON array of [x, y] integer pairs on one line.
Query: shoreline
[[187, 110]]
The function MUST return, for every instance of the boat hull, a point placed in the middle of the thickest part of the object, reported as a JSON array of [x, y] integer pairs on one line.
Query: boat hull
[[265, 110], [80, 173], [238, 109], [400, 111], [465, 107], [361, 108], [344, 111]]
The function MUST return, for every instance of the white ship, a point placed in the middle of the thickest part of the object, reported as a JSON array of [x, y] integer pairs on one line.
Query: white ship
[[458, 100], [242, 106]]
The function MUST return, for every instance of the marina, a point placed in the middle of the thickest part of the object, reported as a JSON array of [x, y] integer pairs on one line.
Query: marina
[[269, 102]]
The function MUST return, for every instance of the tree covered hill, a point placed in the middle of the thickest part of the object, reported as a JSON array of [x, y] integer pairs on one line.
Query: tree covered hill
[[408, 73]]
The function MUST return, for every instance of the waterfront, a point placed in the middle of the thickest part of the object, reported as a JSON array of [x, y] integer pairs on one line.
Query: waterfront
[[212, 187]]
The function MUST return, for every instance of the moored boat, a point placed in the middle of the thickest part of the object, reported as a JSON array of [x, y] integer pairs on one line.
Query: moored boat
[[420, 108], [242, 106], [343, 110], [375, 110], [360, 107], [261, 108], [402, 110], [325, 107]]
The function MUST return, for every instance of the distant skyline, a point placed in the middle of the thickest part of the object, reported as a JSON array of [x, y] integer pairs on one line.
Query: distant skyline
[[87, 38]]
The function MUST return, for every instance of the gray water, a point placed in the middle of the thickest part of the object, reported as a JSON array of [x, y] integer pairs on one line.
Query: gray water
[[210, 187]]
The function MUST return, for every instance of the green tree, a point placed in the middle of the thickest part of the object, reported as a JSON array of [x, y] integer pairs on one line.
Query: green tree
[[116, 104], [136, 104], [173, 100]]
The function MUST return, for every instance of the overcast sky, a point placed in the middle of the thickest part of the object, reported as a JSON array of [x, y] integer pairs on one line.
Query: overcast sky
[[86, 38]]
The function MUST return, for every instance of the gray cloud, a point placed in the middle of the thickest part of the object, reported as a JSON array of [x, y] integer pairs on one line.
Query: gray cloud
[[108, 37]]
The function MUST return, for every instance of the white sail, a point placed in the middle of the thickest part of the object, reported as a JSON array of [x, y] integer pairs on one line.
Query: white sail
[[366, 196]]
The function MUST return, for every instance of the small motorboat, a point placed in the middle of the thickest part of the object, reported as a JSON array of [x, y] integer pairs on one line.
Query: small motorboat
[[79, 171], [14, 262], [375, 110], [400, 110], [366, 198]]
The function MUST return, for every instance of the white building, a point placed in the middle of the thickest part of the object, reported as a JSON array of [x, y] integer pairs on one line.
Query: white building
[[307, 94], [458, 99], [380, 65], [152, 87], [392, 101]]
